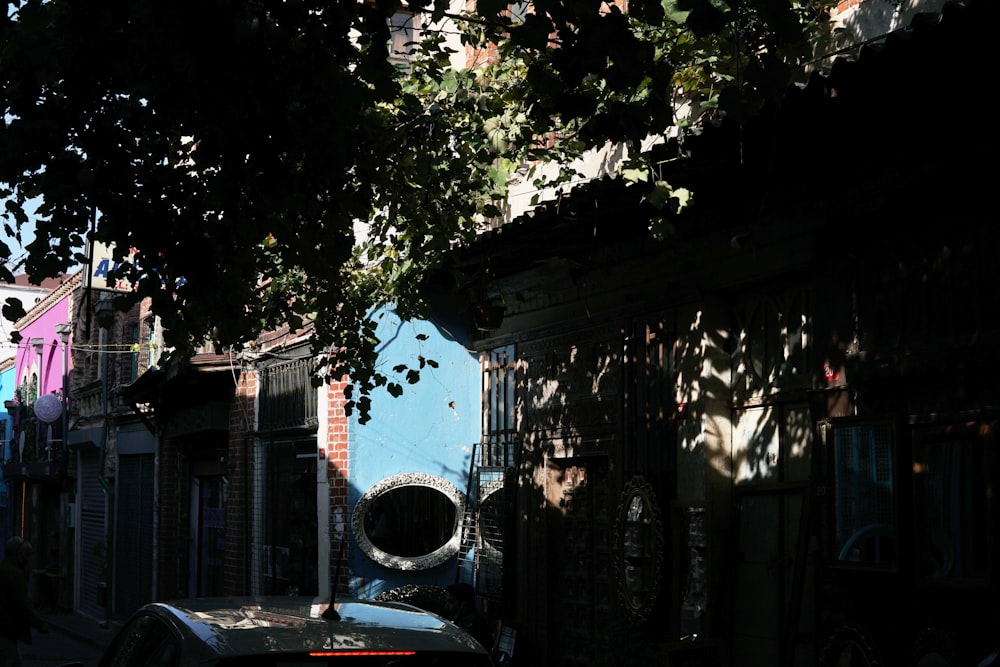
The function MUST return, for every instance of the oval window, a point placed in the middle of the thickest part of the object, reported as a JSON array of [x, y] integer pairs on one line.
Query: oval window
[[410, 521], [639, 549]]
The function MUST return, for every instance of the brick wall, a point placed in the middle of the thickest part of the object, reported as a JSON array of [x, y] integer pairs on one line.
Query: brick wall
[[237, 563], [845, 5], [337, 469]]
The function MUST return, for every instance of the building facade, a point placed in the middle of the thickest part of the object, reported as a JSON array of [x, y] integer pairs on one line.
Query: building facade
[[755, 442], [768, 438], [36, 463]]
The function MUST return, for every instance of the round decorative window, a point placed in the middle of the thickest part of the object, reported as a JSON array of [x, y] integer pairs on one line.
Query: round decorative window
[[410, 521]]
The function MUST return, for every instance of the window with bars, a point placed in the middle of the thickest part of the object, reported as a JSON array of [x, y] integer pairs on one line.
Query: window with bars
[[494, 474], [772, 331], [952, 490], [499, 423], [287, 397], [865, 529]]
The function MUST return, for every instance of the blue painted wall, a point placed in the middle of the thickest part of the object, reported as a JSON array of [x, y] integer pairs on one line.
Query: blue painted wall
[[430, 429]]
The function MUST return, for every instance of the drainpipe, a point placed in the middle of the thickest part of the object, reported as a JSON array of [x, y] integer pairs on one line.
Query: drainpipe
[[39, 345], [155, 566], [63, 330], [247, 518], [104, 306]]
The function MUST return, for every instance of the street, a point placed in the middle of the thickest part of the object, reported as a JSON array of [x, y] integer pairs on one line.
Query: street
[[59, 647]]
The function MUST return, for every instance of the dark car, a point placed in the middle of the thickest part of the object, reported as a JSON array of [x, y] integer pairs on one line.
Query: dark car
[[289, 632]]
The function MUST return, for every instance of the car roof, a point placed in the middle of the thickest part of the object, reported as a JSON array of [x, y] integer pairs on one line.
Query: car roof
[[231, 626]]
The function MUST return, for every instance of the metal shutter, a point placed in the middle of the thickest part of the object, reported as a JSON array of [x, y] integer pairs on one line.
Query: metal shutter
[[92, 538], [134, 535]]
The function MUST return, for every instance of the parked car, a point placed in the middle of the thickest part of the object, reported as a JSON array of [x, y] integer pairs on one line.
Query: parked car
[[289, 632]]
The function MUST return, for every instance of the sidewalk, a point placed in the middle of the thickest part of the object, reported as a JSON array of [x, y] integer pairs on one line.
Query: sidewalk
[[82, 627]]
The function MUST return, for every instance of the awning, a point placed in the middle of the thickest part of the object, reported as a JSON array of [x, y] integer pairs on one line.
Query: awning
[[90, 436]]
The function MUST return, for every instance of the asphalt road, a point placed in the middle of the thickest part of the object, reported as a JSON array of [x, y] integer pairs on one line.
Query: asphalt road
[[58, 648]]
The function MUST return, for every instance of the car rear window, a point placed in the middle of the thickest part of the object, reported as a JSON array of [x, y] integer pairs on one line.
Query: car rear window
[[362, 659]]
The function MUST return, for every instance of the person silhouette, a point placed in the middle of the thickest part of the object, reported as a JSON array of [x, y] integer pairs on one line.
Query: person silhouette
[[17, 614]]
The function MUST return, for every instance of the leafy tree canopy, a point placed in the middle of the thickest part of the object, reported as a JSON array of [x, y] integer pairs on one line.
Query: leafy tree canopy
[[237, 145]]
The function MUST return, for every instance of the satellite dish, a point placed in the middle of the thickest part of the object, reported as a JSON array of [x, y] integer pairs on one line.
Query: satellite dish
[[48, 408]]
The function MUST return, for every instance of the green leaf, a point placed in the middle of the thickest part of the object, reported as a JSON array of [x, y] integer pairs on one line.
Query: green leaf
[[534, 33], [660, 228], [634, 175], [263, 132], [660, 194]]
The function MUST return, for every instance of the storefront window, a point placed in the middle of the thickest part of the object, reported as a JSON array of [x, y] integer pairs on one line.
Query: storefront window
[[289, 542]]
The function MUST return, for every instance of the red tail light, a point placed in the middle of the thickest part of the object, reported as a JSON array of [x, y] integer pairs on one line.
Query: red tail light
[[355, 654]]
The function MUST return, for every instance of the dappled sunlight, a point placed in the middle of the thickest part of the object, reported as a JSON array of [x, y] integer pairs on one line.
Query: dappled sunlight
[[604, 365], [757, 438], [548, 394], [798, 426], [566, 411], [704, 368], [678, 398]]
